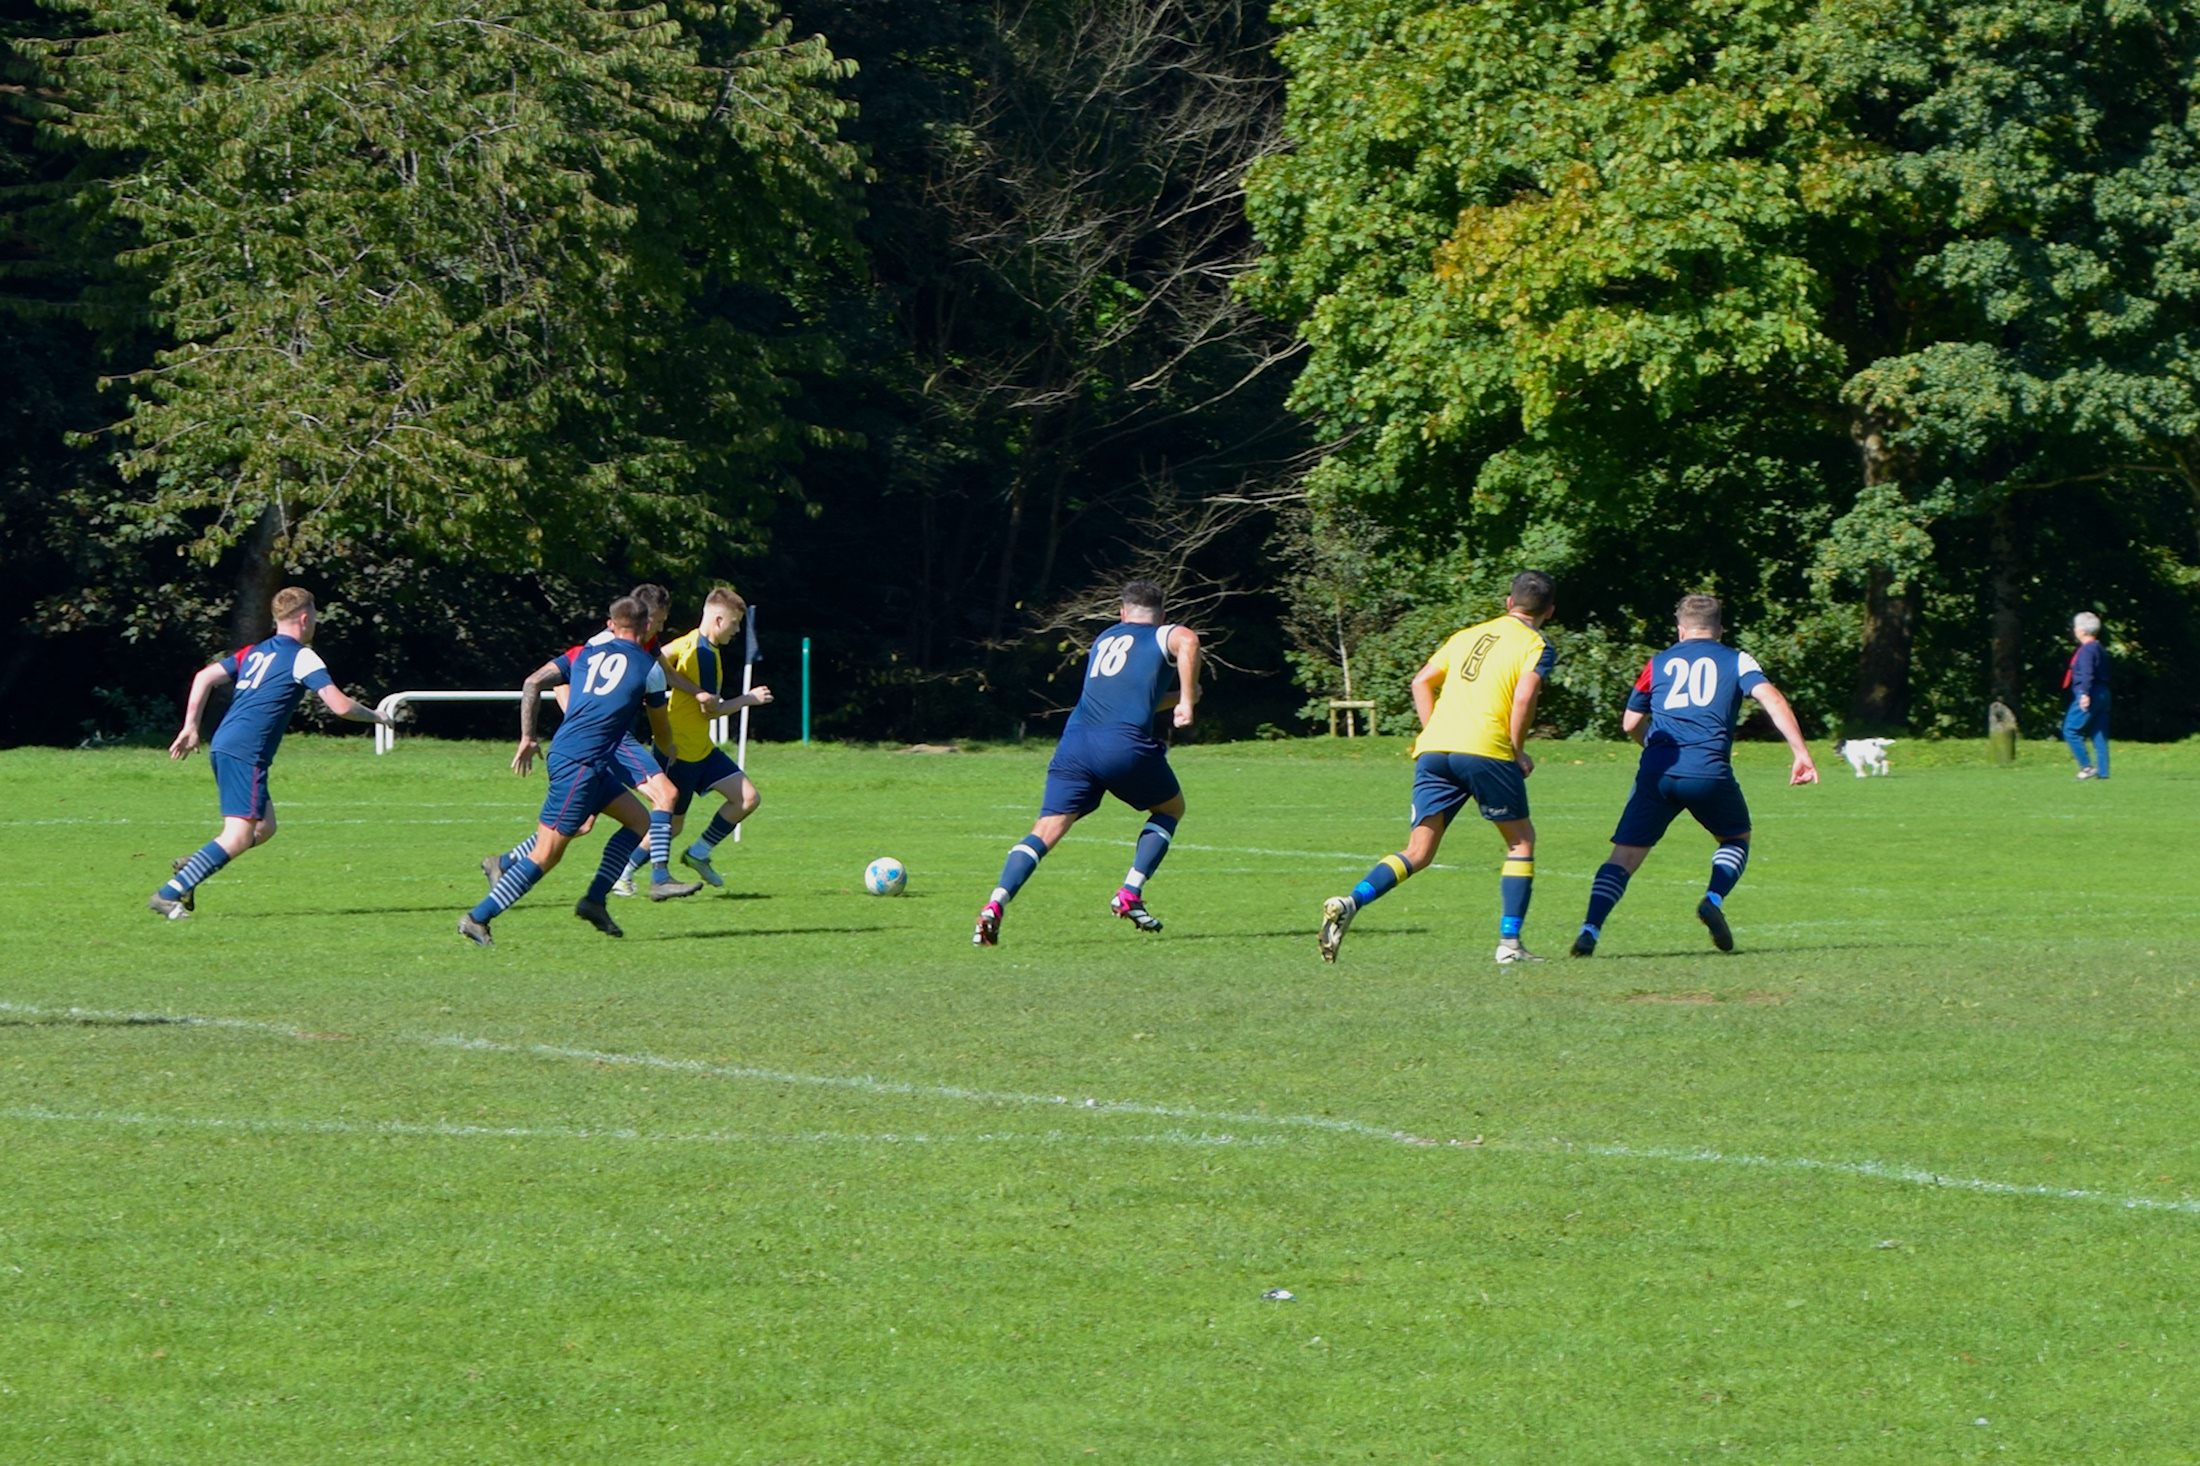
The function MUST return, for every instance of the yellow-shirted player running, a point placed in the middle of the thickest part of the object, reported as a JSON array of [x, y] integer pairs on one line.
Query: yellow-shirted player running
[[1476, 702], [697, 762]]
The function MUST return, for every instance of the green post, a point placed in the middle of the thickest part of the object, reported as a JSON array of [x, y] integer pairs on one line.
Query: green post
[[805, 689]]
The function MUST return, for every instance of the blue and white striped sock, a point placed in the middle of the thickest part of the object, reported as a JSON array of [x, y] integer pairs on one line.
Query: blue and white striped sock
[[513, 884], [623, 842], [660, 845], [714, 834], [1727, 866], [1023, 858], [1604, 892], [1153, 845], [524, 850], [204, 861]]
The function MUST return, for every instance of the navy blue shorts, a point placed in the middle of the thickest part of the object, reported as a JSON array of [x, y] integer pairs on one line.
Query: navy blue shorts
[[243, 786], [692, 776], [636, 764], [1660, 798], [1086, 766], [1443, 784], [578, 791]]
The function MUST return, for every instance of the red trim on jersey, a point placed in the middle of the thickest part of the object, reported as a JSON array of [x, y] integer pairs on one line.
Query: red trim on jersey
[[1642, 683]]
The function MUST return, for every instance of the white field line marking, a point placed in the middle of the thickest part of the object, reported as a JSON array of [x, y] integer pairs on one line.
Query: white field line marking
[[1868, 1170], [444, 1130]]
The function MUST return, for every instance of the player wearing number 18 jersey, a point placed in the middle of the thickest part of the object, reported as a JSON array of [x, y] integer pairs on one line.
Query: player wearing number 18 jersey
[[1137, 669], [1682, 711]]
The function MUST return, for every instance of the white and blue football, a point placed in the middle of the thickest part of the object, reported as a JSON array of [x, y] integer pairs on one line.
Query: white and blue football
[[885, 876]]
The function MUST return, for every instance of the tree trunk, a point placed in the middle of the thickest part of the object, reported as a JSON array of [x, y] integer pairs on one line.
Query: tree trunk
[[1882, 698], [2008, 629], [259, 576]]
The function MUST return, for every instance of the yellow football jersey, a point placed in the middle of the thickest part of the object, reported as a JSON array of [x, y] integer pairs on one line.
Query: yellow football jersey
[[1482, 667], [703, 664]]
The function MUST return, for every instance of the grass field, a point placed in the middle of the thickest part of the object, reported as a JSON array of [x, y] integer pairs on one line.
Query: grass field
[[793, 1174]]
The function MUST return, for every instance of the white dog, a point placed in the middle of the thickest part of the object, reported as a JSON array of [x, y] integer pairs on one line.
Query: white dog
[[1865, 755]]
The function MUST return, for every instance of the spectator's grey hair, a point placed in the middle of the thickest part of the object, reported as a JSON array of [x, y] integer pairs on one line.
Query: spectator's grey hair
[[2086, 623]]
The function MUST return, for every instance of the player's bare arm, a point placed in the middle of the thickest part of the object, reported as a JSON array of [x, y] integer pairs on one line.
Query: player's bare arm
[[349, 708], [1783, 718], [1635, 725], [1184, 646], [1529, 688], [719, 707], [1426, 683], [210, 677], [530, 699]]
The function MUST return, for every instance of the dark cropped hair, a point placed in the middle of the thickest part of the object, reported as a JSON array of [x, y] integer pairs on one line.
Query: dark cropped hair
[[1533, 592], [652, 595], [1701, 613], [1144, 594], [629, 613]]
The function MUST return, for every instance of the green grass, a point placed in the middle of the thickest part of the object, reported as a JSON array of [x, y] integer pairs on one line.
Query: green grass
[[332, 1231]]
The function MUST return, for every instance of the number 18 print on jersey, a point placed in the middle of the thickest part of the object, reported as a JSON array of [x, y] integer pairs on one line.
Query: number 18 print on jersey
[[1693, 693]]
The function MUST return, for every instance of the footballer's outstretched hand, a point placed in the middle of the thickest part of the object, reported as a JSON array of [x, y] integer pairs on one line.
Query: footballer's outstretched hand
[[185, 742], [523, 762], [1804, 772]]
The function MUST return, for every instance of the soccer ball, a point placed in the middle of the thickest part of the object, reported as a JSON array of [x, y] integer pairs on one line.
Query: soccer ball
[[885, 876]]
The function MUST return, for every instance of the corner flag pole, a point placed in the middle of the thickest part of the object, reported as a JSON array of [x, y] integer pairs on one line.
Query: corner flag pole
[[748, 675]]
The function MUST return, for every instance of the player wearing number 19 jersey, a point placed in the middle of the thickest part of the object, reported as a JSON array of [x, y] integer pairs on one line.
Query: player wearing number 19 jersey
[[271, 677], [1476, 701], [1137, 669], [1682, 711], [611, 679]]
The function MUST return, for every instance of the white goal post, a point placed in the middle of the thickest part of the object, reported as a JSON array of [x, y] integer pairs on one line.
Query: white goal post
[[385, 739]]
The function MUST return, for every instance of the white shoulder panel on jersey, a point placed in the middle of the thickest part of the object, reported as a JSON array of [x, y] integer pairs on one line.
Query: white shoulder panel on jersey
[[1161, 638], [1744, 664], [306, 663], [656, 682]]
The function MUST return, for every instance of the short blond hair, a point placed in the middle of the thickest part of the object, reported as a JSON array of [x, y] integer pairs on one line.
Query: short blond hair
[[1701, 613], [727, 596], [291, 602]]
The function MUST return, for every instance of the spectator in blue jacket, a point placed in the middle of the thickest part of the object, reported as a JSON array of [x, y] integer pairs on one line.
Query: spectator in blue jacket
[[2087, 681]]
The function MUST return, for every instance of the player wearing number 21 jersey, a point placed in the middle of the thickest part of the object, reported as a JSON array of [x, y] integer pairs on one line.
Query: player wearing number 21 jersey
[[1137, 669], [1683, 711], [271, 678], [1476, 701]]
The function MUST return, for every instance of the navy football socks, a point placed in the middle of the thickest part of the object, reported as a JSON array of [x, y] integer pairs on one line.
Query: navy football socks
[[1386, 875], [622, 843], [1727, 866], [1515, 886], [514, 883], [716, 833], [1153, 845], [524, 850], [1604, 892], [1023, 858], [204, 861]]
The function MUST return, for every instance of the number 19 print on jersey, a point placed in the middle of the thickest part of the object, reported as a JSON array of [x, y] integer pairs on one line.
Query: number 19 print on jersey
[[1693, 693]]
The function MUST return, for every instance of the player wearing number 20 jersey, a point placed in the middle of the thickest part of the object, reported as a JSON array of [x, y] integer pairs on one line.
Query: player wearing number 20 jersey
[[1137, 669], [1683, 710]]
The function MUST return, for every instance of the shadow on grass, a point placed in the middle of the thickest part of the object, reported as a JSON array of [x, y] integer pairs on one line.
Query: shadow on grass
[[766, 931], [292, 915], [146, 1020]]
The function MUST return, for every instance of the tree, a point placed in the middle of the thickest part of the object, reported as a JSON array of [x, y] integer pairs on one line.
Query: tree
[[475, 277], [1568, 270]]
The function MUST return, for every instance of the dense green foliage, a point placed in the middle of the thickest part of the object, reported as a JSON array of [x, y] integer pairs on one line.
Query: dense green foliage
[[846, 1220], [927, 323], [1783, 300]]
